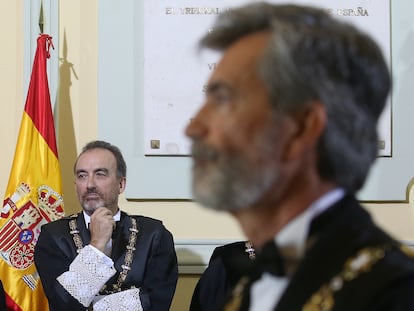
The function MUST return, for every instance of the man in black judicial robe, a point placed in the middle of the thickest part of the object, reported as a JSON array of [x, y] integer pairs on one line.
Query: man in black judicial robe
[[121, 262], [350, 264], [283, 142], [154, 267]]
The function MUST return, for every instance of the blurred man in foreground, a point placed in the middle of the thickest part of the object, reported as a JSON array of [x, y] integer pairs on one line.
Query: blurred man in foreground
[[284, 140]]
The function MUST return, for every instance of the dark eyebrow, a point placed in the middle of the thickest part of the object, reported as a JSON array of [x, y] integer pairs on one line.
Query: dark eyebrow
[[100, 169], [79, 171]]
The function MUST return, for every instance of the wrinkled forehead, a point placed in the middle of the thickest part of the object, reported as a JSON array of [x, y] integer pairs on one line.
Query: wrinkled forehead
[[95, 158], [245, 53]]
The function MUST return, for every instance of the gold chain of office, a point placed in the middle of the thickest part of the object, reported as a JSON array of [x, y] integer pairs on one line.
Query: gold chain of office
[[129, 256]]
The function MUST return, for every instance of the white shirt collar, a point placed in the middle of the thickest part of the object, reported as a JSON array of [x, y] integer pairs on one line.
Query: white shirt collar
[[294, 234], [87, 218], [266, 292]]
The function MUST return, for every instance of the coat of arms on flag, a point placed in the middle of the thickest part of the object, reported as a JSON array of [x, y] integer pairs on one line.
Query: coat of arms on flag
[[19, 234]]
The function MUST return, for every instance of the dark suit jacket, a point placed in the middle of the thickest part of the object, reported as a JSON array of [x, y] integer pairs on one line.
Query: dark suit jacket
[[227, 265], [154, 268], [338, 235], [2, 298]]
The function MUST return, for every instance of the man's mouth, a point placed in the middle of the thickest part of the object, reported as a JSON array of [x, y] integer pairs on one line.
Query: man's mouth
[[92, 196], [203, 154]]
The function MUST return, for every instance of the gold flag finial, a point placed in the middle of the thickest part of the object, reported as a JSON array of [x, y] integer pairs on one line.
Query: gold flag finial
[[41, 20]]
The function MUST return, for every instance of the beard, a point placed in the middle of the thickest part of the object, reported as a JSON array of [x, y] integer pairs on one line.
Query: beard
[[229, 182], [91, 205]]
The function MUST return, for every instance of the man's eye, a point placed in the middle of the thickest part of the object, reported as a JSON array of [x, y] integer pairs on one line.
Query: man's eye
[[221, 97]]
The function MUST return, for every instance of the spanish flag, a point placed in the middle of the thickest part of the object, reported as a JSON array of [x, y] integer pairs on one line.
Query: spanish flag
[[34, 192]]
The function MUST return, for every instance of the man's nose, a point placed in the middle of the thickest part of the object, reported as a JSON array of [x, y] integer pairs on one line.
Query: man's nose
[[196, 128], [90, 183]]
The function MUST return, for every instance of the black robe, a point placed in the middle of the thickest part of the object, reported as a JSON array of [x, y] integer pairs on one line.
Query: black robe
[[227, 265], [154, 268], [2, 297], [339, 234]]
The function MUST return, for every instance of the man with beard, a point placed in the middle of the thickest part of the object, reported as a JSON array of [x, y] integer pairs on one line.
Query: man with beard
[[284, 140], [103, 258]]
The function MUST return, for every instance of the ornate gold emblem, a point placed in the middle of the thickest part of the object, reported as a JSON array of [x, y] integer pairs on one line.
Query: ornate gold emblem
[[408, 250], [129, 256], [323, 299], [237, 295]]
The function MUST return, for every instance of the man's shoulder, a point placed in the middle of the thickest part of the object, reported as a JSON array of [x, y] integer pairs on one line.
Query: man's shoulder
[[148, 223], [368, 276], [230, 249], [60, 223], [234, 256], [146, 219], [398, 261]]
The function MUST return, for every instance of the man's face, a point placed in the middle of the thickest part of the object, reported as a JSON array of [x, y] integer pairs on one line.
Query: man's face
[[96, 181], [236, 136]]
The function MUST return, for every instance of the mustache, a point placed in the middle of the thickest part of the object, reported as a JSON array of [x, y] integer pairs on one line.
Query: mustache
[[204, 152], [92, 191]]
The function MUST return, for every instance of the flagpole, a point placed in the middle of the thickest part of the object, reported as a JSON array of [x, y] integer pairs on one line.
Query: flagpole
[[41, 18], [32, 29]]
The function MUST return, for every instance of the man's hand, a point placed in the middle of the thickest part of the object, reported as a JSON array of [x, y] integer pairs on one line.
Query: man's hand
[[101, 227]]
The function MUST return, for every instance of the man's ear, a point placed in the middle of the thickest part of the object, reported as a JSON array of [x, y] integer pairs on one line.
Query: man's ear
[[122, 184], [310, 124]]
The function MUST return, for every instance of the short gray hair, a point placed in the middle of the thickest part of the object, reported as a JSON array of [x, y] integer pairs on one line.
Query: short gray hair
[[121, 167], [313, 56]]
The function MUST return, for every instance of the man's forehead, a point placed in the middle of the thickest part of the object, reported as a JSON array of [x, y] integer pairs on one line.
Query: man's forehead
[[96, 157], [241, 57], [249, 46]]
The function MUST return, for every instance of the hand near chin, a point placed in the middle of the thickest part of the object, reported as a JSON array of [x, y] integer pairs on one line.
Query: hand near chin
[[101, 227]]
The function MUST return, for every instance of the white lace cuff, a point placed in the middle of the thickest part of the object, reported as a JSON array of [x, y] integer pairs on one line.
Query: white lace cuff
[[86, 276], [126, 300]]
